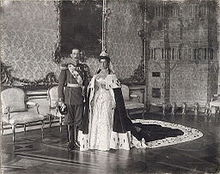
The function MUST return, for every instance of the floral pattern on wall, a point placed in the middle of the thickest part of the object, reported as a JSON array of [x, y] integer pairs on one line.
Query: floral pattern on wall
[[123, 43], [29, 38]]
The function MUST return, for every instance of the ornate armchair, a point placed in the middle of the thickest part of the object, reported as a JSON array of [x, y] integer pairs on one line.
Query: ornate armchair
[[53, 101], [15, 111], [214, 105], [132, 106]]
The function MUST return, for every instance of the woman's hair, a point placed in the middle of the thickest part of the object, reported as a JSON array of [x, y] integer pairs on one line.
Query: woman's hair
[[105, 58], [110, 69]]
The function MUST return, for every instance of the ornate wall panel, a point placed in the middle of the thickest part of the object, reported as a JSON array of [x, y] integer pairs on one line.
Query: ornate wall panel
[[189, 84], [188, 53], [218, 40], [123, 43], [29, 37], [156, 82]]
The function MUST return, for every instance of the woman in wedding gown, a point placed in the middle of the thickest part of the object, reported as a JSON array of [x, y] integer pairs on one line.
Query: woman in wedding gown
[[108, 124]]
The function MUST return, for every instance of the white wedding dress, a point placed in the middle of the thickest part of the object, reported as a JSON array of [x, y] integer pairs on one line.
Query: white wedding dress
[[102, 120], [101, 135]]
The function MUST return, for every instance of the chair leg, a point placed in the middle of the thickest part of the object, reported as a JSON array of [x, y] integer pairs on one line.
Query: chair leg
[[42, 130], [13, 131], [60, 121], [50, 120], [164, 109], [143, 114], [25, 128], [2, 128]]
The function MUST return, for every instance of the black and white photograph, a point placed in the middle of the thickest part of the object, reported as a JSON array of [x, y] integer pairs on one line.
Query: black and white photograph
[[110, 87]]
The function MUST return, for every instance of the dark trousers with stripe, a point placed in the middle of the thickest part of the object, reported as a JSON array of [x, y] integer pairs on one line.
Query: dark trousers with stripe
[[73, 120]]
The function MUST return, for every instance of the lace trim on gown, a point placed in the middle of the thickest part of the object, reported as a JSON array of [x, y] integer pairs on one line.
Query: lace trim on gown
[[117, 141], [101, 135]]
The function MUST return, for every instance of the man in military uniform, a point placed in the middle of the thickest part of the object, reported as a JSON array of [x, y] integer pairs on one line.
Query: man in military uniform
[[73, 81]]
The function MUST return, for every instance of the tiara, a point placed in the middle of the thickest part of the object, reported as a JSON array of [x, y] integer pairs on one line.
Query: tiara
[[104, 54]]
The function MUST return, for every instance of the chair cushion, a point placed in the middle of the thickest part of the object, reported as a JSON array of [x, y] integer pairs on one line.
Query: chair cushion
[[215, 103], [23, 118], [133, 105], [14, 98], [43, 105], [53, 96], [125, 92]]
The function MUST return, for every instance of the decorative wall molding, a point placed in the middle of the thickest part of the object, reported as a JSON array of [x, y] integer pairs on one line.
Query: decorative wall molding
[[123, 42], [29, 37], [6, 77], [138, 76], [8, 80], [57, 56]]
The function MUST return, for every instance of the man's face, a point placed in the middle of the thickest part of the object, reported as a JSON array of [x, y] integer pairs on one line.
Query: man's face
[[75, 54]]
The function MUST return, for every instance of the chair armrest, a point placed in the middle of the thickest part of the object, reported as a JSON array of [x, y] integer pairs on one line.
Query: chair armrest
[[135, 96], [30, 103], [54, 107], [56, 104], [7, 112], [214, 97]]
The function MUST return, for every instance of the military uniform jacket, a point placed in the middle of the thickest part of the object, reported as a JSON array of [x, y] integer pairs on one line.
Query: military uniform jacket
[[68, 92]]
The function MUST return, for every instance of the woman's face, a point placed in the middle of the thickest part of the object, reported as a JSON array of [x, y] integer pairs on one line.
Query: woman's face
[[105, 64]]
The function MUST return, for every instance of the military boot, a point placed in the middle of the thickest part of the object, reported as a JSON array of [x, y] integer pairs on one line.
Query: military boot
[[71, 143], [76, 131]]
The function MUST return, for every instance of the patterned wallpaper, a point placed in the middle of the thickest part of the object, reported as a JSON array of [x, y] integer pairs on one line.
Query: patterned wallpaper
[[218, 38], [192, 87], [30, 34], [29, 38], [123, 43]]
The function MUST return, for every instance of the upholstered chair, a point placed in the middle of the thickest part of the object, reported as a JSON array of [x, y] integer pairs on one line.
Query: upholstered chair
[[53, 105], [17, 111], [132, 106], [214, 104]]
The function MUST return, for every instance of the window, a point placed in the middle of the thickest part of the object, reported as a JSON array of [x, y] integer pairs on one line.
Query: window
[[156, 93], [155, 74]]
